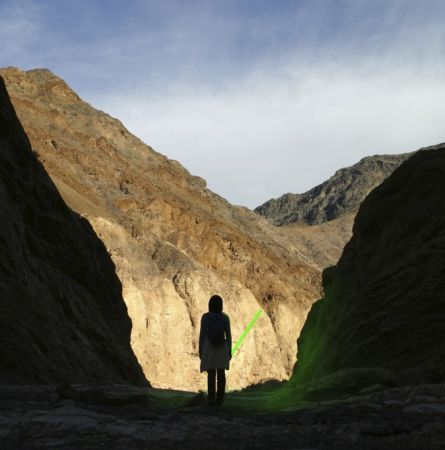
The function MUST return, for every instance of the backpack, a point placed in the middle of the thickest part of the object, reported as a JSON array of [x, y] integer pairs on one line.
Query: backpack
[[216, 329]]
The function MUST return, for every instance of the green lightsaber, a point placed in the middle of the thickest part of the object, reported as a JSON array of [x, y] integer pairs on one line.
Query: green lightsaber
[[246, 330]]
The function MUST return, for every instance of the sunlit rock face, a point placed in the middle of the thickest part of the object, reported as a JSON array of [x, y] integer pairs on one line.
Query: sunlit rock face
[[339, 195], [62, 316], [384, 303], [174, 242]]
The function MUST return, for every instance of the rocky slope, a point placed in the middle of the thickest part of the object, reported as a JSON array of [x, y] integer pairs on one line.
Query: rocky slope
[[174, 242], [384, 304], [62, 316], [339, 195]]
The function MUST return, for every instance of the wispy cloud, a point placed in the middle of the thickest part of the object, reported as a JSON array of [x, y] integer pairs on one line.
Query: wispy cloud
[[258, 97], [271, 136], [19, 24]]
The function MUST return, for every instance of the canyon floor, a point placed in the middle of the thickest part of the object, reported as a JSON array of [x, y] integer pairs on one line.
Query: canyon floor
[[124, 417]]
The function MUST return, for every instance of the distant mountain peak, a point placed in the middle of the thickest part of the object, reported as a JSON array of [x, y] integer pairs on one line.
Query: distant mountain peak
[[339, 195]]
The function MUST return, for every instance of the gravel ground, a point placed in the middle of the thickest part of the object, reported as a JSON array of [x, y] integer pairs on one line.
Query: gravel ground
[[120, 417]]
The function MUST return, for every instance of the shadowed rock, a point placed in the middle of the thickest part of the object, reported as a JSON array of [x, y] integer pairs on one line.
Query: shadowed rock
[[384, 304], [62, 316]]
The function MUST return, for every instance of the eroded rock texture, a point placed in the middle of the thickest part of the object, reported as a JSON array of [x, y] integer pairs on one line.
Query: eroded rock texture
[[384, 304], [174, 242], [62, 316], [340, 195]]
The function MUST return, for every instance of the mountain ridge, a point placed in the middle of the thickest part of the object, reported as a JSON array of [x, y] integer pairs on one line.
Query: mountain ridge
[[340, 194]]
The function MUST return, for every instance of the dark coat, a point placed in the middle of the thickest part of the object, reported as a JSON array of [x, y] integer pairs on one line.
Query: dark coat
[[214, 357]]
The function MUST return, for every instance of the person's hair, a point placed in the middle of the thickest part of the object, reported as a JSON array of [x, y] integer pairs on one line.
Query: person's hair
[[215, 304]]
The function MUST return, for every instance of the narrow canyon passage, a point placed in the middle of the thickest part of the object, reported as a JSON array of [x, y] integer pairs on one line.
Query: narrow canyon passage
[[174, 242], [222, 225]]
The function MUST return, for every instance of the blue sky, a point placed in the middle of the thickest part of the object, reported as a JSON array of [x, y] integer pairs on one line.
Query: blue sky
[[258, 97]]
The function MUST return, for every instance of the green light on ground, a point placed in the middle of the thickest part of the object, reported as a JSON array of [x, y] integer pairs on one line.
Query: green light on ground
[[246, 330]]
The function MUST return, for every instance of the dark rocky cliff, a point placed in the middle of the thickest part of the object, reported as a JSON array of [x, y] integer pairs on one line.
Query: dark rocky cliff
[[384, 304], [62, 316], [339, 195]]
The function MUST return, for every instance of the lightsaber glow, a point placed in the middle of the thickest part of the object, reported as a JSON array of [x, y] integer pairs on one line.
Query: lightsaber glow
[[246, 330]]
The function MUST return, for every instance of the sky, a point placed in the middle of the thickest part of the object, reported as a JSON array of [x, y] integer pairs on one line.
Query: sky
[[258, 97]]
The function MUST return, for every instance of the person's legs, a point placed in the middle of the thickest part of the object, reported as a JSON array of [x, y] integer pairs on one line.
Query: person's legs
[[211, 375], [221, 380]]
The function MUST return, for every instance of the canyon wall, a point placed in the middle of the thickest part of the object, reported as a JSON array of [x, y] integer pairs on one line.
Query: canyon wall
[[384, 302], [62, 315]]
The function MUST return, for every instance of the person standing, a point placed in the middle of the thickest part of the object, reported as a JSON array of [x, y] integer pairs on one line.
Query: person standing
[[215, 349]]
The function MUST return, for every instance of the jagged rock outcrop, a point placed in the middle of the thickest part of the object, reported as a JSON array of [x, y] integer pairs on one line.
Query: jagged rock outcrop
[[340, 195], [384, 303], [62, 316], [173, 241]]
